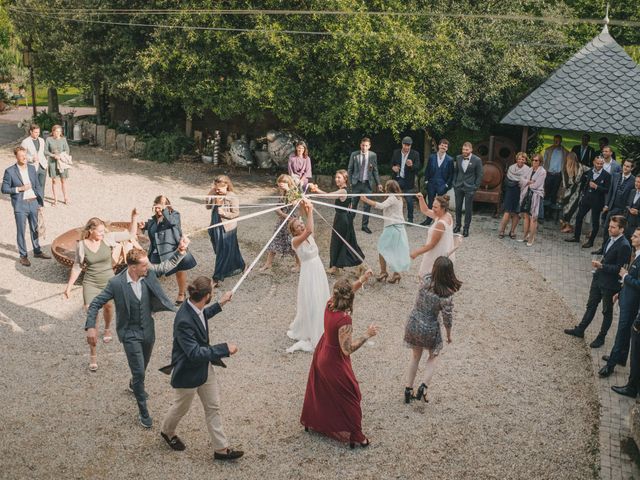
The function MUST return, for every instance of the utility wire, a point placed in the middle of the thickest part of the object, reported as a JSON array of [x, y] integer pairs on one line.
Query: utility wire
[[269, 31], [220, 12]]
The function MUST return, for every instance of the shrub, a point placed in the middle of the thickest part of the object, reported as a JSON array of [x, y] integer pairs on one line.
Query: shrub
[[45, 120], [167, 147]]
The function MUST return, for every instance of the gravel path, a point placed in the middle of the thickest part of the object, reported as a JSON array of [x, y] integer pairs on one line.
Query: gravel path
[[512, 398]]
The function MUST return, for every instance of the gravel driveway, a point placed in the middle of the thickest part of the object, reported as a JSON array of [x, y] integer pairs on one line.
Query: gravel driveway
[[512, 398]]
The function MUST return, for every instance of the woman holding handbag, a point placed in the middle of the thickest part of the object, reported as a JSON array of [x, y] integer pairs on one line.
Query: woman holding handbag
[[165, 231], [94, 256], [55, 148], [531, 199]]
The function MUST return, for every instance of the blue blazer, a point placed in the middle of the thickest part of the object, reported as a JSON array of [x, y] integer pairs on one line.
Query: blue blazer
[[612, 196], [440, 179], [191, 353], [630, 293], [618, 254], [12, 180]]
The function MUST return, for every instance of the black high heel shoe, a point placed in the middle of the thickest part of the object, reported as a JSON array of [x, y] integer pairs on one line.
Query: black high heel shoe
[[408, 394], [422, 393], [364, 444]]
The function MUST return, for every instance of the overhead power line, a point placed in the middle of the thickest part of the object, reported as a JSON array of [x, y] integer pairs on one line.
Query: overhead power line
[[220, 12], [264, 30]]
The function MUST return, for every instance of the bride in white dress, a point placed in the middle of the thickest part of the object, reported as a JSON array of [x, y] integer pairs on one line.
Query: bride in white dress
[[313, 287]]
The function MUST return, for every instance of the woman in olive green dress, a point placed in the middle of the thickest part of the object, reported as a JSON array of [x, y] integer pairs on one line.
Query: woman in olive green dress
[[93, 255], [55, 145]]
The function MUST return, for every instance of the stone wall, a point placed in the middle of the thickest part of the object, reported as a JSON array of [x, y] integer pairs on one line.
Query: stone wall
[[109, 139]]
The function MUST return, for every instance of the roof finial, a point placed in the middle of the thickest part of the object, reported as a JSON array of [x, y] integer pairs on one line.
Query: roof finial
[[606, 20]]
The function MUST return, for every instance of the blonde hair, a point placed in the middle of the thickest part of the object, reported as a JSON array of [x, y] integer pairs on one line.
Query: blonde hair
[[56, 127], [292, 224], [391, 186], [572, 167], [284, 178], [522, 154], [90, 226], [443, 200], [224, 179]]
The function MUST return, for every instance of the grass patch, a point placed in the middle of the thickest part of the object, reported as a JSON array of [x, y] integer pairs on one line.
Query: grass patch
[[574, 137], [71, 96]]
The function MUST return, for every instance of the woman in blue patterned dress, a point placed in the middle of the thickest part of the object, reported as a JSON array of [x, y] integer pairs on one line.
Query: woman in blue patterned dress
[[422, 331]]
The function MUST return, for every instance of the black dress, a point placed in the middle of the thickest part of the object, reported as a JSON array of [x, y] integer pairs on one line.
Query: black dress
[[340, 254], [229, 261]]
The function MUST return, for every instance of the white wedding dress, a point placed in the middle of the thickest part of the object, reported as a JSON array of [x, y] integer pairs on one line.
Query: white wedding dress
[[313, 295]]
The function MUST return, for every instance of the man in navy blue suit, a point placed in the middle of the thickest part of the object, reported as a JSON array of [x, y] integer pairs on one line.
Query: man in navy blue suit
[[438, 174], [605, 282], [629, 303], [21, 182], [405, 163], [192, 361]]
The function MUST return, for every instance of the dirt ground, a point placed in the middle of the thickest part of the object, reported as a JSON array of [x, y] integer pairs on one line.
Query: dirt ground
[[511, 398]]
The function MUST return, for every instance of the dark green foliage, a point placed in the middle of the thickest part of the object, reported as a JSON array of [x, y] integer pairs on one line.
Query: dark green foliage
[[46, 120], [166, 147]]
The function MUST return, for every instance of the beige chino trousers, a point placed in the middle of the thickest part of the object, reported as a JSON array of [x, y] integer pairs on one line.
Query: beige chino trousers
[[209, 393]]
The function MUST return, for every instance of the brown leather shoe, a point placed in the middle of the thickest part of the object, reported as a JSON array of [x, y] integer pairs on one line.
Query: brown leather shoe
[[25, 261], [42, 255], [174, 442]]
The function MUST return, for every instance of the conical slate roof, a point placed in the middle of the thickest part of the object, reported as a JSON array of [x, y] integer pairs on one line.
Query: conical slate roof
[[597, 90]]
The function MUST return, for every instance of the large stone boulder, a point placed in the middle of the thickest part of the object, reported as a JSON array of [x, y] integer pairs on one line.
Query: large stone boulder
[[130, 143], [121, 142], [89, 131], [101, 135], [281, 145], [240, 153], [138, 148], [111, 139]]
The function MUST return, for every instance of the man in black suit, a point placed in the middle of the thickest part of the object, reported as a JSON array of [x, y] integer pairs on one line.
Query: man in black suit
[[629, 298], [192, 360], [616, 204], [594, 186], [584, 151], [605, 284], [405, 162], [632, 209], [633, 383], [467, 178]]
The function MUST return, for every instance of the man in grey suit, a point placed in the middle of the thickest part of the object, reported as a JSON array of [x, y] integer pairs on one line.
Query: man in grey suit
[[467, 177], [363, 172], [137, 294]]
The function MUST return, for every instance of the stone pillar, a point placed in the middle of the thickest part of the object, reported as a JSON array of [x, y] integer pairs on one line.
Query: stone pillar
[[101, 135], [111, 139]]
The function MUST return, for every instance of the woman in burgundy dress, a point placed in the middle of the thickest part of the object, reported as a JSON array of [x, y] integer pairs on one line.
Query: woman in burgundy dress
[[332, 400]]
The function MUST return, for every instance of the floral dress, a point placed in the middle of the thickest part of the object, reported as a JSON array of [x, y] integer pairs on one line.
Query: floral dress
[[282, 242], [422, 328]]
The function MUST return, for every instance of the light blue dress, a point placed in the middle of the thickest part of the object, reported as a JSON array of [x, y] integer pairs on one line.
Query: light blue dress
[[393, 244]]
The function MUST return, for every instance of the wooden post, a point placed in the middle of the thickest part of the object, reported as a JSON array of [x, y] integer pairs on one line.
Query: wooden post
[[188, 128], [525, 139]]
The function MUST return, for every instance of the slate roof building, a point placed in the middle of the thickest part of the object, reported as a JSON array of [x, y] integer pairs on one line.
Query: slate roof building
[[596, 90]]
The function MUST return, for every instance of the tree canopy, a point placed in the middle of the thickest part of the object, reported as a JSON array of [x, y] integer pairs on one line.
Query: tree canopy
[[363, 71]]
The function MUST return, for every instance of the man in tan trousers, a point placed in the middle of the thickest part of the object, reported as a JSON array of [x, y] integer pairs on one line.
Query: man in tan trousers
[[192, 361]]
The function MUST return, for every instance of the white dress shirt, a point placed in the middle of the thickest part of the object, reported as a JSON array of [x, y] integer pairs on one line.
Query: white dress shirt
[[607, 166], [135, 286], [440, 159], [24, 173], [465, 164]]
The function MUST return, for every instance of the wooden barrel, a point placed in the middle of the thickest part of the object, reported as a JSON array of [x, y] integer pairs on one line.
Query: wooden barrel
[[492, 175], [63, 247]]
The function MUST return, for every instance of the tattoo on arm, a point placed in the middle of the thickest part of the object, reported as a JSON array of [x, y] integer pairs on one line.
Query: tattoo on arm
[[346, 344]]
